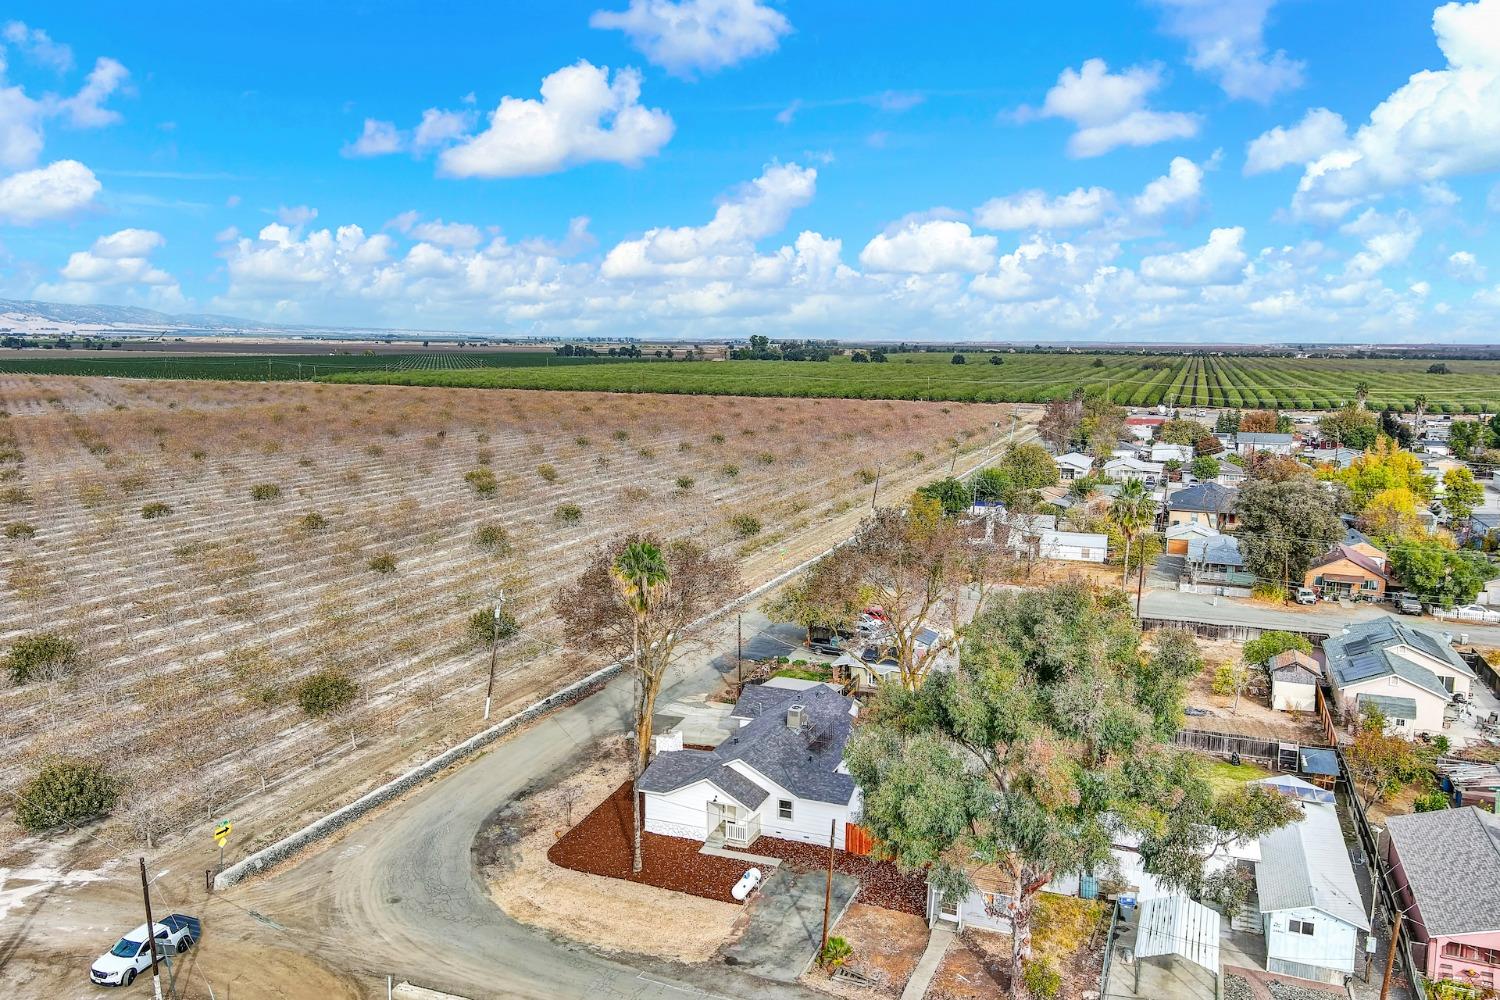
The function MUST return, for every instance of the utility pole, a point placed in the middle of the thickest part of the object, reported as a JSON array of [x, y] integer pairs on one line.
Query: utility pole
[[876, 491], [1140, 582], [739, 649], [151, 932], [494, 642], [828, 888], [1390, 958]]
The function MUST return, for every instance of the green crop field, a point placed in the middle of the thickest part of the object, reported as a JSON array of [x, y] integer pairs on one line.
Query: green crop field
[[1137, 380], [276, 367], [1287, 383]]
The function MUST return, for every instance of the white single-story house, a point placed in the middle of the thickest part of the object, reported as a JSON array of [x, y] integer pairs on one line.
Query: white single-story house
[[1251, 442], [1121, 469], [781, 774], [1310, 905], [1410, 674], [1294, 681], [1171, 453], [874, 663], [1074, 465], [1073, 546]]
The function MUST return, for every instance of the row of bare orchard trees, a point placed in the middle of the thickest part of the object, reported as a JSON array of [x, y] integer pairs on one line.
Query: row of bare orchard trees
[[262, 594]]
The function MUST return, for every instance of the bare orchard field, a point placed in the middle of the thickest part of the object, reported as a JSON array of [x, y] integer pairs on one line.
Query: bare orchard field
[[304, 528]]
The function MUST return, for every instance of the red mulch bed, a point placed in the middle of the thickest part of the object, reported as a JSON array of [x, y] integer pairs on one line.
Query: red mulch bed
[[880, 882], [600, 845]]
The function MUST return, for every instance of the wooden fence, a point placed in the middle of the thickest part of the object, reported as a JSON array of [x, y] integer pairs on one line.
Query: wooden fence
[[1220, 630], [1228, 744]]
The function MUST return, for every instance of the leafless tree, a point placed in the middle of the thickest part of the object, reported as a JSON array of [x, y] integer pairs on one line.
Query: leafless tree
[[635, 602]]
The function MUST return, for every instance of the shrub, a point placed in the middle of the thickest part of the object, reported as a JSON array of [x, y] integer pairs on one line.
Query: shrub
[[835, 953], [20, 529], [766, 458], [568, 513], [484, 456], [634, 494], [547, 472], [730, 470], [41, 655], [745, 525], [374, 451], [1431, 801], [313, 521], [684, 483], [646, 453], [326, 692], [492, 537], [155, 509], [582, 441], [65, 793], [15, 495], [1042, 978], [264, 491], [716, 438], [483, 480], [866, 476], [198, 454], [383, 563], [486, 627], [621, 435]]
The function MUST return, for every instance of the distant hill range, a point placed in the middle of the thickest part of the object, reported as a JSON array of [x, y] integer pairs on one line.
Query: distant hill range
[[25, 315]]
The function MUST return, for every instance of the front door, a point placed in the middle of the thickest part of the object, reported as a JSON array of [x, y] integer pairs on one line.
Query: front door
[[947, 910]]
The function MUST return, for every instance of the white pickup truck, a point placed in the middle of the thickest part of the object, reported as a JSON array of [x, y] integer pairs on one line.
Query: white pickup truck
[[131, 955]]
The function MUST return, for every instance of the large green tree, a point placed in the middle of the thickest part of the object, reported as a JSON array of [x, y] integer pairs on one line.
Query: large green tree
[[1029, 466], [1461, 494], [1284, 526], [1049, 738], [1351, 426], [1439, 574]]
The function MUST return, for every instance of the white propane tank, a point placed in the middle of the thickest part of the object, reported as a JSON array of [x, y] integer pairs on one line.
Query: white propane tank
[[746, 885]]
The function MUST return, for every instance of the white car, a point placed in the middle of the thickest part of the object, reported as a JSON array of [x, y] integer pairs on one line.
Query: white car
[[1476, 613], [131, 955]]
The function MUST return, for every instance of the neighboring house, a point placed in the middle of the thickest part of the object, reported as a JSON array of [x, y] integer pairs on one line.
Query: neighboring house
[[875, 663], [1122, 469], [1339, 458], [781, 774], [1250, 443], [1171, 453], [1410, 674], [1073, 546], [1311, 909], [1218, 564], [1446, 867], [1294, 681], [1143, 428], [1074, 465], [1205, 503], [986, 907], [1180, 536], [1230, 474], [1360, 542], [1348, 571]]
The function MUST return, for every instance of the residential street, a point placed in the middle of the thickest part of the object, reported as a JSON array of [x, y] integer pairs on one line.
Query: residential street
[[399, 894]]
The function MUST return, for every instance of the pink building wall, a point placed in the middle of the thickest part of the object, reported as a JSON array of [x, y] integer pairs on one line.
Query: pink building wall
[[1477, 958]]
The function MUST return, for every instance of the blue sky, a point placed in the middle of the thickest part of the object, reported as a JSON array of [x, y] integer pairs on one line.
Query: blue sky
[[1169, 170]]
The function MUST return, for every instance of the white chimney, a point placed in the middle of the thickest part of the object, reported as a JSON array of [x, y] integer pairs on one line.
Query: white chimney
[[796, 715]]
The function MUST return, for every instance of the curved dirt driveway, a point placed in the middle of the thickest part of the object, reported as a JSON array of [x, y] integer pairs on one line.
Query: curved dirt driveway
[[398, 893]]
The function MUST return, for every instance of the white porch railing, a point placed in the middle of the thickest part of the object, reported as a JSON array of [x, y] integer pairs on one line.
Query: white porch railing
[[742, 833]]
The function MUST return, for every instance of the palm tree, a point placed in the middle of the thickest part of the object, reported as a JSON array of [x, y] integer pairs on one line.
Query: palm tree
[[1133, 510], [641, 573], [1420, 402], [1362, 392]]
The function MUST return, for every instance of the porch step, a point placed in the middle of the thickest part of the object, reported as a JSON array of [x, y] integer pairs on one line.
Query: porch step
[[725, 852], [1247, 918]]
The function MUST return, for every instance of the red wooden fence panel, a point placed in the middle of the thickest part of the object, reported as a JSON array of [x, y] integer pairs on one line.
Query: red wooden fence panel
[[857, 839]]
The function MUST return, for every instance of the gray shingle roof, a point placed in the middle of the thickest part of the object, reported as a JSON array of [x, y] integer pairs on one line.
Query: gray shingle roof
[[1365, 650], [1451, 859], [1262, 438], [1216, 550], [805, 762], [1390, 706], [1209, 497], [1306, 864]]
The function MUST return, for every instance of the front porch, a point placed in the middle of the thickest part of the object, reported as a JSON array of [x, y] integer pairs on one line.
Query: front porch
[[731, 825]]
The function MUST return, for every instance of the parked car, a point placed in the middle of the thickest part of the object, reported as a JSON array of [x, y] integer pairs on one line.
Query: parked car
[[1476, 613], [825, 640], [131, 955], [1305, 595], [1408, 605]]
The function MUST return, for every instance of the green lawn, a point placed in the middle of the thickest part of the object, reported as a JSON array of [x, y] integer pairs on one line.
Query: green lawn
[[1227, 777]]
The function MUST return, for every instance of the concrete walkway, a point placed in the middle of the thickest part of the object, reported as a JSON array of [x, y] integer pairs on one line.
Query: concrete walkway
[[921, 977]]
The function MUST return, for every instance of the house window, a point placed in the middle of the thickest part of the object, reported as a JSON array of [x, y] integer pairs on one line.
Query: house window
[[1400, 723], [1300, 927], [1469, 953], [784, 808], [1369, 584]]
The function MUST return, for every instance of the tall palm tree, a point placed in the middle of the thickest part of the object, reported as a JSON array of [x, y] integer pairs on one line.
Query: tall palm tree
[[1362, 392], [1420, 402], [641, 573], [1133, 510]]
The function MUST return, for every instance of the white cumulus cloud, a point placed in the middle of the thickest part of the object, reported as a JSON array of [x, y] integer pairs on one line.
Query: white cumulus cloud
[[49, 192], [117, 265], [1109, 109], [1079, 208], [1177, 190], [1464, 266], [39, 46], [1387, 240], [939, 246], [688, 37], [1319, 131], [1226, 40], [378, 138], [1220, 261], [1440, 124], [582, 117]]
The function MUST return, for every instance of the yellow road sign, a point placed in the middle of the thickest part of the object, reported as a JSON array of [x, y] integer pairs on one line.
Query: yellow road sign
[[222, 831]]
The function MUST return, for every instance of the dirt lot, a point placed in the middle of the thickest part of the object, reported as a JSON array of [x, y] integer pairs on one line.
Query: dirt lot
[[886, 948], [605, 912], [1253, 717], [1067, 932], [194, 628]]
